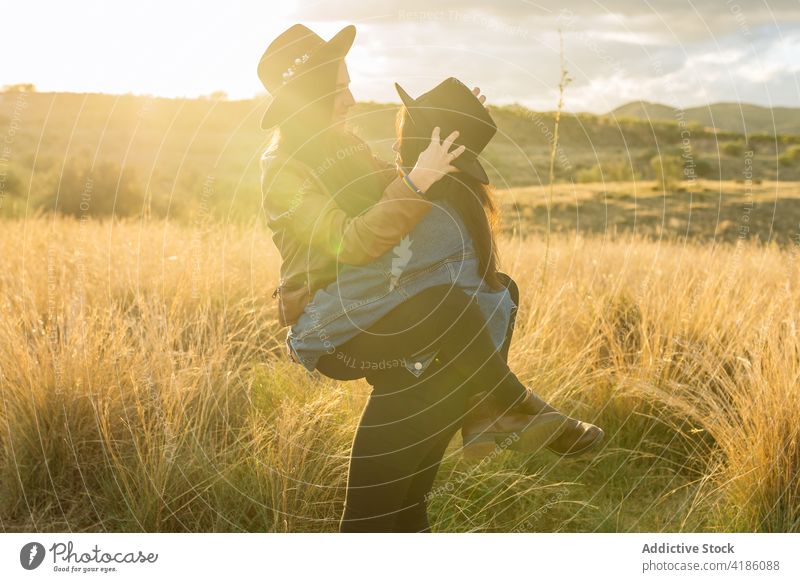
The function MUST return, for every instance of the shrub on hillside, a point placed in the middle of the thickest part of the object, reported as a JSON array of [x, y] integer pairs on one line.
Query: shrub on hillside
[[733, 148], [618, 171], [667, 169], [10, 183], [103, 190], [791, 156]]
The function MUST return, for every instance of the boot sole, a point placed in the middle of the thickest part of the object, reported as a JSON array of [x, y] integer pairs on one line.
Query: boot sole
[[540, 432], [589, 447]]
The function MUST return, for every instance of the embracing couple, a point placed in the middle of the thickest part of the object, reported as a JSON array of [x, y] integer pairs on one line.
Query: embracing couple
[[389, 273]]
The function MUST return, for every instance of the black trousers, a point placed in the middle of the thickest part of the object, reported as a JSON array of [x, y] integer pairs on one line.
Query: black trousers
[[408, 420]]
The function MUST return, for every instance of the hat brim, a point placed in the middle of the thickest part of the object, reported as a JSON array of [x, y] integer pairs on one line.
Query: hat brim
[[336, 48], [407, 99], [408, 102]]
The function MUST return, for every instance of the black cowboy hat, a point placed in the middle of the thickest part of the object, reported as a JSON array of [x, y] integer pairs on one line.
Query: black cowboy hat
[[291, 65], [452, 106]]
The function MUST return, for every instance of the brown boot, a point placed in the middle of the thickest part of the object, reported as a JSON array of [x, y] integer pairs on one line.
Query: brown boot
[[488, 426], [581, 437], [577, 438]]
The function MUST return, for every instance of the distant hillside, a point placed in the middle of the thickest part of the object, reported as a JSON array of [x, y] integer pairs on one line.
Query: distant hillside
[[644, 110], [103, 154], [736, 117]]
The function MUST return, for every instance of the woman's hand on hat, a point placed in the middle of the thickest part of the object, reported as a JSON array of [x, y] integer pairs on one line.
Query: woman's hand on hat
[[477, 92], [435, 161]]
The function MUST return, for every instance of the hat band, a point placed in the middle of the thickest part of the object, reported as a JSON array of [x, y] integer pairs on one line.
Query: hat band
[[289, 73]]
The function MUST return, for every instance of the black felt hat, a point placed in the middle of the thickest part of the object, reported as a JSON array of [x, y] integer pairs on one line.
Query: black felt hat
[[293, 65], [452, 106]]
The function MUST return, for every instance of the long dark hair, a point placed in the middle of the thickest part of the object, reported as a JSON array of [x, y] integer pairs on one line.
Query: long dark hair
[[473, 200], [340, 159]]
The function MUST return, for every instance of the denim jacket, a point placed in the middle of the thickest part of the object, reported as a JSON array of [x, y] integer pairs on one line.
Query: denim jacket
[[437, 251]]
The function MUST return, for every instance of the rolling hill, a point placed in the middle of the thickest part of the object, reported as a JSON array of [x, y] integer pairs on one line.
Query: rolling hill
[[741, 118], [128, 153]]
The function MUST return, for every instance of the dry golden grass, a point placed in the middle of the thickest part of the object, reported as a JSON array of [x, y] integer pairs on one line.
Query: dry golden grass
[[143, 388]]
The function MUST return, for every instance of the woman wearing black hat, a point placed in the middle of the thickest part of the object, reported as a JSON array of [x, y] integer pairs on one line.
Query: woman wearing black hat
[[434, 354]]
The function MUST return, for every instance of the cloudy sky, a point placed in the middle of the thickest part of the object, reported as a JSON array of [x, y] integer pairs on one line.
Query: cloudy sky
[[678, 52]]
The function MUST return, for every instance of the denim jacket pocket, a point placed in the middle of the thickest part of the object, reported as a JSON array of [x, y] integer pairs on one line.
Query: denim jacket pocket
[[418, 363], [447, 263]]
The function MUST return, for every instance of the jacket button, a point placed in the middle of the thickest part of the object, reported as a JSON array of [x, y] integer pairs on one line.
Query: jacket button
[[418, 365]]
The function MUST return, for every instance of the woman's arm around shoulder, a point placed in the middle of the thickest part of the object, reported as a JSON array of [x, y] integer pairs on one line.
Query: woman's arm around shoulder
[[297, 201]]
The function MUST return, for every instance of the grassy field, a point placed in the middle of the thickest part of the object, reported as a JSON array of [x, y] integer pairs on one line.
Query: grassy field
[[703, 211], [143, 387]]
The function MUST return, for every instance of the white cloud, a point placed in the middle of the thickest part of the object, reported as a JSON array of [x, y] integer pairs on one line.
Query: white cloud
[[674, 51], [628, 37], [723, 57]]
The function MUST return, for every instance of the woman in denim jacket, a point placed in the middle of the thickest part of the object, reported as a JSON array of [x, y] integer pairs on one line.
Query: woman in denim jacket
[[451, 247], [438, 251]]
